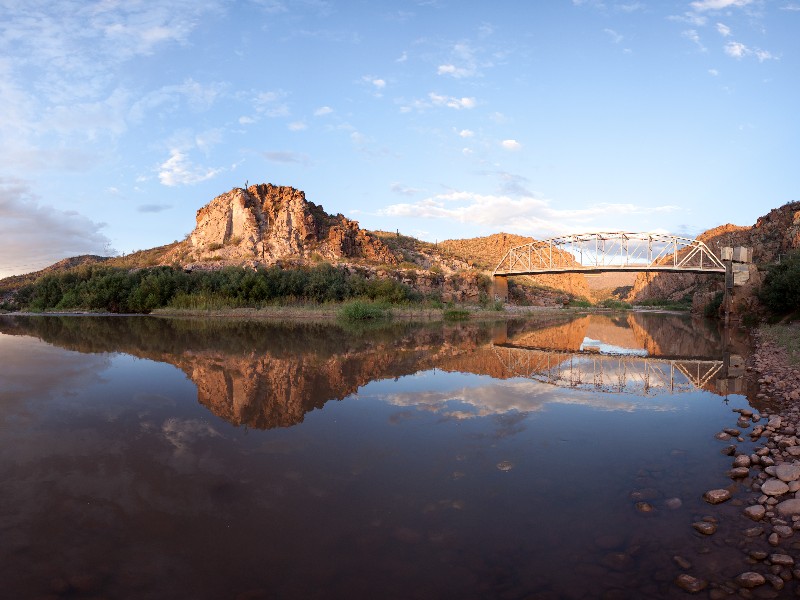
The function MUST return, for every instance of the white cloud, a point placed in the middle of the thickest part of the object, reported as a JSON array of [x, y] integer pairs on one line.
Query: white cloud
[[692, 35], [763, 55], [523, 214], [178, 169], [713, 72], [245, 120], [466, 133], [297, 126], [690, 18], [615, 37], [511, 145], [271, 104], [322, 111], [463, 62], [723, 29], [36, 235], [403, 190], [703, 5], [736, 49], [451, 102]]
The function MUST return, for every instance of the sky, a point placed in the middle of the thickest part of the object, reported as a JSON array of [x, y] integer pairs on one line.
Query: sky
[[438, 118]]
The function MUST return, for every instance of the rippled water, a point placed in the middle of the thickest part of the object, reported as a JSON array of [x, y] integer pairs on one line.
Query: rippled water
[[157, 458]]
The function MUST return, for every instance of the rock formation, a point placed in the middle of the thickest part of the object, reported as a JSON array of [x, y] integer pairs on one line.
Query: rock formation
[[266, 223], [773, 235]]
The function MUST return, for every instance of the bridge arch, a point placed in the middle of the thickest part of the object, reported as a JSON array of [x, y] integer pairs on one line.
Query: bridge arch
[[610, 251]]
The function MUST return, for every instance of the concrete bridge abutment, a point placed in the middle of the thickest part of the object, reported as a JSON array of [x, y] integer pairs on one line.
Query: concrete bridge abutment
[[500, 287]]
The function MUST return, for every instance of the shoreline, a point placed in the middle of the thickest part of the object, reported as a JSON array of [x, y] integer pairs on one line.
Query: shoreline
[[328, 313], [765, 479]]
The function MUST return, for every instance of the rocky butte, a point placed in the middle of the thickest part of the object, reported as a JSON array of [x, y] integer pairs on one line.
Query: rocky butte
[[266, 224]]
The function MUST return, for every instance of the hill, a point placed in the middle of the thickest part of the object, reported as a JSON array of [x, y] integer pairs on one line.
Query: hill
[[267, 225]]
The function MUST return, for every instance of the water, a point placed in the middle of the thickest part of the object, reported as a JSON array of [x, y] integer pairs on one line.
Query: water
[[157, 458]]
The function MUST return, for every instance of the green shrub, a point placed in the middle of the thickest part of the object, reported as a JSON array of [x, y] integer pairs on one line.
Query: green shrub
[[780, 292], [359, 310], [456, 314], [579, 303], [712, 308], [615, 304]]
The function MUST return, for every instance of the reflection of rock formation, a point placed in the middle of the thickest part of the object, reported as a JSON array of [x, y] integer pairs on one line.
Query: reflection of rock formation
[[265, 375]]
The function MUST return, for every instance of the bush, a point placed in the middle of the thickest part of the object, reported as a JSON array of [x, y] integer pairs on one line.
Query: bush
[[615, 304], [712, 308], [780, 292], [579, 303], [456, 314], [363, 311]]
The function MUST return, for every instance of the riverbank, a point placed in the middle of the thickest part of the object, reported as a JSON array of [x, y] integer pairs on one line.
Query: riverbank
[[766, 476]]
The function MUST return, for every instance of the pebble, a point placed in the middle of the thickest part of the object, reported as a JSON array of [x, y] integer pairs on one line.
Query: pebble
[[644, 507], [774, 487], [673, 503], [789, 508], [505, 465], [787, 473], [783, 530], [682, 562], [750, 579], [755, 512], [690, 584], [781, 559], [739, 472], [717, 496], [742, 461], [705, 528], [753, 531]]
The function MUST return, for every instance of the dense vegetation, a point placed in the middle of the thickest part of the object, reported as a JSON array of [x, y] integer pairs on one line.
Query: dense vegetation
[[780, 292], [103, 288]]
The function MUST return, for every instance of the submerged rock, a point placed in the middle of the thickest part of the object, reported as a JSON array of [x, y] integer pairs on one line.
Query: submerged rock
[[717, 496]]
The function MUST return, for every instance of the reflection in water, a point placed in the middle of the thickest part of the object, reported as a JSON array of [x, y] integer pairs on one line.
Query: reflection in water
[[444, 474], [264, 375]]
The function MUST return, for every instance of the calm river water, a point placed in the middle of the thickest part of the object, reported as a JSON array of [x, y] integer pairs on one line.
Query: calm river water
[[166, 458]]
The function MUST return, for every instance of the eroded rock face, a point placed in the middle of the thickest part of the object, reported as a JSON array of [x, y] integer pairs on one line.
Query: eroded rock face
[[777, 232], [266, 223]]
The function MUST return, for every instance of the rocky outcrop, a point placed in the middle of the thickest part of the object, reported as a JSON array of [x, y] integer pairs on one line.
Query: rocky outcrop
[[266, 223], [486, 252], [773, 235]]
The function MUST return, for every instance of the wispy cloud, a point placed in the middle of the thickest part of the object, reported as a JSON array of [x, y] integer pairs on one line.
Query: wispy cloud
[[462, 62], [36, 235], [738, 50], [523, 214], [691, 34], [322, 111], [512, 145], [723, 29], [703, 5], [153, 208], [286, 157], [178, 170], [403, 190], [438, 100], [615, 37]]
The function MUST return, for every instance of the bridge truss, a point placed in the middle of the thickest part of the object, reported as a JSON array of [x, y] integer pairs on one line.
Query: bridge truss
[[609, 373], [614, 251]]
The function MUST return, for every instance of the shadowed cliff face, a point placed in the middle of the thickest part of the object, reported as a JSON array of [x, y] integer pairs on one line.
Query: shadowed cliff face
[[266, 375]]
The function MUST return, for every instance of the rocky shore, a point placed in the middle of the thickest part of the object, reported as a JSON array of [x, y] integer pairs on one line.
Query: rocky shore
[[766, 487]]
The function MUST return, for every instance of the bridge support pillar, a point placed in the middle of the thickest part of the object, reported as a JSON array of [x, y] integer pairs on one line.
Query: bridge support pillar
[[500, 287]]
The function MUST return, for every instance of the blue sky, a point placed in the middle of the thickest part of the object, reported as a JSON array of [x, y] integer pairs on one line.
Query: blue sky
[[443, 119]]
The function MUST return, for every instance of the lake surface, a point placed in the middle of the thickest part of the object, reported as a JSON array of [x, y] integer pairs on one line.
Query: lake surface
[[175, 458]]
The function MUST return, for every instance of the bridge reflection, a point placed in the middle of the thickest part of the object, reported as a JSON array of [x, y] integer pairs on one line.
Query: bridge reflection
[[620, 355]]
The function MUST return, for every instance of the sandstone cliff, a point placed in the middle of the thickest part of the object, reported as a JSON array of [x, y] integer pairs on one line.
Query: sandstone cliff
[[774, 234], [266, 223]]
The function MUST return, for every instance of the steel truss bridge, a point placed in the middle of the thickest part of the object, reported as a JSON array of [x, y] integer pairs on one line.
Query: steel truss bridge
[[609, 373], [615, 251]]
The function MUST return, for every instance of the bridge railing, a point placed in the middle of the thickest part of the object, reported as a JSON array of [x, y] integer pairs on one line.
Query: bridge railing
[[610, 251]]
